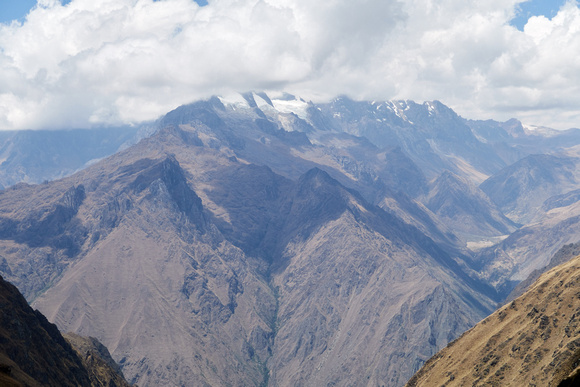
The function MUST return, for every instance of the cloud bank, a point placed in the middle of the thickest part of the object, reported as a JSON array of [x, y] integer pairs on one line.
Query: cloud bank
[[112, 62]]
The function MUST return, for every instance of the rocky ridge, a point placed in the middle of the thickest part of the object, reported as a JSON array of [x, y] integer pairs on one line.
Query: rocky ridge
[[102, 369]]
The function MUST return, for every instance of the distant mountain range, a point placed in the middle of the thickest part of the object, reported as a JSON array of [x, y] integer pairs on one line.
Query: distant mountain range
[[36, 156], [253, 240]]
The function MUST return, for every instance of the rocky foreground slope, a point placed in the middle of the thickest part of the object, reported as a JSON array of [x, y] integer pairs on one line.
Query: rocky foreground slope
[[533, 340], [34, 353]]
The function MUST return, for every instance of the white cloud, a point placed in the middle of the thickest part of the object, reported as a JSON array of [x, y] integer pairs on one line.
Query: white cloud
[[112, 61]]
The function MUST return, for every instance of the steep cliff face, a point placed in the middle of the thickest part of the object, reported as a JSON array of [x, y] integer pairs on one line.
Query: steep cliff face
[[532, 340]]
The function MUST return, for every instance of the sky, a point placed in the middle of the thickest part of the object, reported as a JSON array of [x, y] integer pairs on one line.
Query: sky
[[85, 63]]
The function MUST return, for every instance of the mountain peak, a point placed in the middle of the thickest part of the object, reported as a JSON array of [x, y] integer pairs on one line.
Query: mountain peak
[[449, 182], [447, 176], [171, 175], [319, 175]]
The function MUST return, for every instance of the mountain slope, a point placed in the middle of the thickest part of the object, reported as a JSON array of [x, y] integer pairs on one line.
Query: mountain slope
[[532, 340], [465, 209], [520, 189], [355, 290], [530, 248], [173, 300]]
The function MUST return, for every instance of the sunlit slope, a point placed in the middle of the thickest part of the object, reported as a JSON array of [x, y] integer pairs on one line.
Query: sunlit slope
[[534, 340]]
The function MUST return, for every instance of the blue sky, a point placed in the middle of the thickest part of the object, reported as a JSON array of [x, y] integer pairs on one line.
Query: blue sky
[[17, 9], [547, 8], [14, 9]]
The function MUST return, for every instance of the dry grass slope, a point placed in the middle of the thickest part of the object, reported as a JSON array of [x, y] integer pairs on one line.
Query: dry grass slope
[[534, 340]]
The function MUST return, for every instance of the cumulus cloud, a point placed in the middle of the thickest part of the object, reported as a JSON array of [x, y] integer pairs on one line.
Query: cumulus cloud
[[125, 61]]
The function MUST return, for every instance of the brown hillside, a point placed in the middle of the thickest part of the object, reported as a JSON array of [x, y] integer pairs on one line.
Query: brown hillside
[[534, 340]]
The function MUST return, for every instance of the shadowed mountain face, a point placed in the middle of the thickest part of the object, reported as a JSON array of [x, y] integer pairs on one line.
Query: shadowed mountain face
[[33, 352], [267, 242], [338, 280], [531, 340]]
